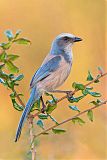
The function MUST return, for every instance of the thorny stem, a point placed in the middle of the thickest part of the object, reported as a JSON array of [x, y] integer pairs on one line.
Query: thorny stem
[[69, 119]]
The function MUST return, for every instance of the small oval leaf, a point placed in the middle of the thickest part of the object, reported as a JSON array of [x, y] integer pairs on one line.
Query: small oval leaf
[[19, 77], [9, 34], [78, 120], [90, 115], [75, 108], [12, 57], [40, 123], [58, 131], [43, 116], [89, 77], [22, 41], [11, 67]]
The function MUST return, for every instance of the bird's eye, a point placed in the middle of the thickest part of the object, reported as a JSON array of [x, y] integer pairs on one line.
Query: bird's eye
[[66, 38]]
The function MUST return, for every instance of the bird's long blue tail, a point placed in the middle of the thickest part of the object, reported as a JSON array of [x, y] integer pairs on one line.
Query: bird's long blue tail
[[34, 96]]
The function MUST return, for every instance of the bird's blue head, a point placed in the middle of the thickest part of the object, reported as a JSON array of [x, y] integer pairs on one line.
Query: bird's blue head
[[64, 41]]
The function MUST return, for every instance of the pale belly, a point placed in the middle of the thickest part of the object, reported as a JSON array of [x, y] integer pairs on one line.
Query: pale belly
[[55, 79]]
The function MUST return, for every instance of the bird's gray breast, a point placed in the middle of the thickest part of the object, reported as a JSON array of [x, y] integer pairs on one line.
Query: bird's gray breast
[[65, 68], [67, 57]]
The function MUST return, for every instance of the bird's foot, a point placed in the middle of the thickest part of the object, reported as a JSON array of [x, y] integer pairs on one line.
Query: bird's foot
[[69, 94]]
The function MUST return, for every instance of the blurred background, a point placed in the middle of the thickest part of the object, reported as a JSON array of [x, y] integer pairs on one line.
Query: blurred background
[[41, 21]]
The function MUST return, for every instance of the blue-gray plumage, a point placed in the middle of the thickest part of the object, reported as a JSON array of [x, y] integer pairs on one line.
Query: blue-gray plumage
[[53, 72]]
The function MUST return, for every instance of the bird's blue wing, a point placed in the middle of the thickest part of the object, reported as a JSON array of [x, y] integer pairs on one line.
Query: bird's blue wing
[[45, 70]]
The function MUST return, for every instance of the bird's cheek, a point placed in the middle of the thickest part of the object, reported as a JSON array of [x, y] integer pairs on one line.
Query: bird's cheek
[[61, 43]]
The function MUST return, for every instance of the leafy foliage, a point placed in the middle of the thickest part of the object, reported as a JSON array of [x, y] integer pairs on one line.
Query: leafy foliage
[[9, 79]]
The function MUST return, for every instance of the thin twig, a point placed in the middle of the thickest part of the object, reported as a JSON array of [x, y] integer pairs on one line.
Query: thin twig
[[69, 119], [33, 149]]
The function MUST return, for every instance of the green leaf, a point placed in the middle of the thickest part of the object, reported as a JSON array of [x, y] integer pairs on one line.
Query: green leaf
[[3, 56], [75, 108], [46, 133], [78, 86], [19, 77], [17, 34], [90, 115], [89, 88], [98, 76], [15, 104], [5, 45], [99, 101], [4, 75], [9, 34], [96, 81], [40, 123], [13, 95], [36, 106], [58, 131], [12, 57], [95, 94], [11, 76], [50, 107], [85, 92], [22, 41], [53, 97], [11, 67], [43, 116], [96, 102], [2, 65], [100, 70], [75, 99], [78, 120], [11, 85], [90, 77], [53, 119]]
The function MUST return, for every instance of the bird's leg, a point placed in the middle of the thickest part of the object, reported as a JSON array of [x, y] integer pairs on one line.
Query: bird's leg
[[43, 105], [69, 93]]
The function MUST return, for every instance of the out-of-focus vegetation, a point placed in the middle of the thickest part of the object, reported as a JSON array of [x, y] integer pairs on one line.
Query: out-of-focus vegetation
[[39, 19]]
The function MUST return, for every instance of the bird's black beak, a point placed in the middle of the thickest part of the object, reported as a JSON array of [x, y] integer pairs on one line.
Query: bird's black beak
[[77, 39]]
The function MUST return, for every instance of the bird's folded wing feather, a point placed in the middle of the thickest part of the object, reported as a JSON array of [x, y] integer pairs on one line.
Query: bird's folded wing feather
[[45, 70]]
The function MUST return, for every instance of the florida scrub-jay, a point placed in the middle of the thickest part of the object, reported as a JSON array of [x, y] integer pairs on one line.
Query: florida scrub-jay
[[52, 73]]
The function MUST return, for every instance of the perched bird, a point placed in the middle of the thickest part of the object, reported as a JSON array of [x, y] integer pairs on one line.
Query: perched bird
[[52, 73]]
